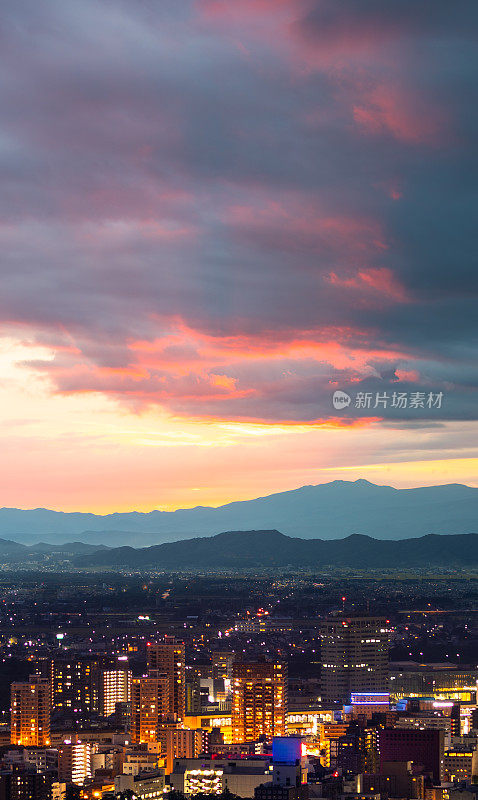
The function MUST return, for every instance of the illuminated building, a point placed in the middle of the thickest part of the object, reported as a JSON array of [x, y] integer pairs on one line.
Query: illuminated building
[[137, 761], [203, 781], [115, 688], [426, 680], [168, 657], [306, 723], [289, 760], [289, 771], [177, 742], [259, 701], [108, 758], [30, 714], [222, 663], [327, 733], [145, 787], [365, 704], [354, 657], [444, 792], [356, 751], [460, 764], [205, 775], [370, 748], [149, 706], [77, 683], [74, 762]]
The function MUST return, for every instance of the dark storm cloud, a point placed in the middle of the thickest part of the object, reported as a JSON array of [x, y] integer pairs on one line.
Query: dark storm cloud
[[176, 175], [397, 19]]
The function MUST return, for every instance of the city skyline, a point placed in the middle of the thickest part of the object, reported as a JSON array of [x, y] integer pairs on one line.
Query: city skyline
[[259, 687]]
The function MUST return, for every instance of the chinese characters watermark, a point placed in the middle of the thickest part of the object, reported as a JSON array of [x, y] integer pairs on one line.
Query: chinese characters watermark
[[383, 400]]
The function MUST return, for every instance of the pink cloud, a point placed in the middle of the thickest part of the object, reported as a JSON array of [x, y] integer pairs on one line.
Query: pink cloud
[[258, 377], [296, 221], [381, 280], [390, 109]]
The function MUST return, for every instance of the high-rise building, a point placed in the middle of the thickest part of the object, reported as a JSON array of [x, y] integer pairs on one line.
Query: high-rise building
[[149, 706], [178, 742], [168, 657], [259, 700], [354, 657], [77, 682], [74, 762], [115, 687], [30, 712]]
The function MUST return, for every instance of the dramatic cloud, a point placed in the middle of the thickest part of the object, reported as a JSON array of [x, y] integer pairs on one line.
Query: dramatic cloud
[[228, 210]]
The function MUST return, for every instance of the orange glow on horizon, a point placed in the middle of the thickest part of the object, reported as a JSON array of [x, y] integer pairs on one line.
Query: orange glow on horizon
[[84, 452]]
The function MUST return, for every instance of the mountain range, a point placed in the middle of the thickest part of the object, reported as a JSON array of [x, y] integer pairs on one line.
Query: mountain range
[[327, 511], [270, 549], [21, 554]]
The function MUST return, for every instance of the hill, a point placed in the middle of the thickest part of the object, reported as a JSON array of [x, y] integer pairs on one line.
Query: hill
[[15, 553], [239, 550], [329, 511]]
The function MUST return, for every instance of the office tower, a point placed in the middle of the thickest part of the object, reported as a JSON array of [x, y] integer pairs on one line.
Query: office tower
[[168, 657], [74, 762], [30, 714], [259, 700], [115, 687], [77, 682], [422, 746], [354, 657], [150, 706]]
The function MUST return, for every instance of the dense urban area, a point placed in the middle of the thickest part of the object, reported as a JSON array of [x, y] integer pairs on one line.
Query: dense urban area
[[282, 687]]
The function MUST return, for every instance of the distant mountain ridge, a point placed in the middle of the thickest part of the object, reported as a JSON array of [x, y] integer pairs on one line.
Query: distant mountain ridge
[[327, 511], [16, 553], [270, 549]]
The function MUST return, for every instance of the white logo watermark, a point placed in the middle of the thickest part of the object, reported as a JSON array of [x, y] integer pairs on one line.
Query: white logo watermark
[[341, 400]]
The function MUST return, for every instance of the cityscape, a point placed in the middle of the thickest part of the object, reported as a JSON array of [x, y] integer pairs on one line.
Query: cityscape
[[273, 688], [238, 400]]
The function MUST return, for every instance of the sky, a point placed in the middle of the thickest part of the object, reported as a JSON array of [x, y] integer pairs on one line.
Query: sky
[[214, 214]]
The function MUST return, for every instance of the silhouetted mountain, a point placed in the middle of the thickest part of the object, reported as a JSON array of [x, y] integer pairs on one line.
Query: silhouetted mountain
[[13, 552], [328, 511], [240, 550], [8, 548], [67, 547]]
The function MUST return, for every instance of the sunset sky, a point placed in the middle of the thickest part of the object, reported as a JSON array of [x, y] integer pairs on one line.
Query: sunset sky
[[214, 214]]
